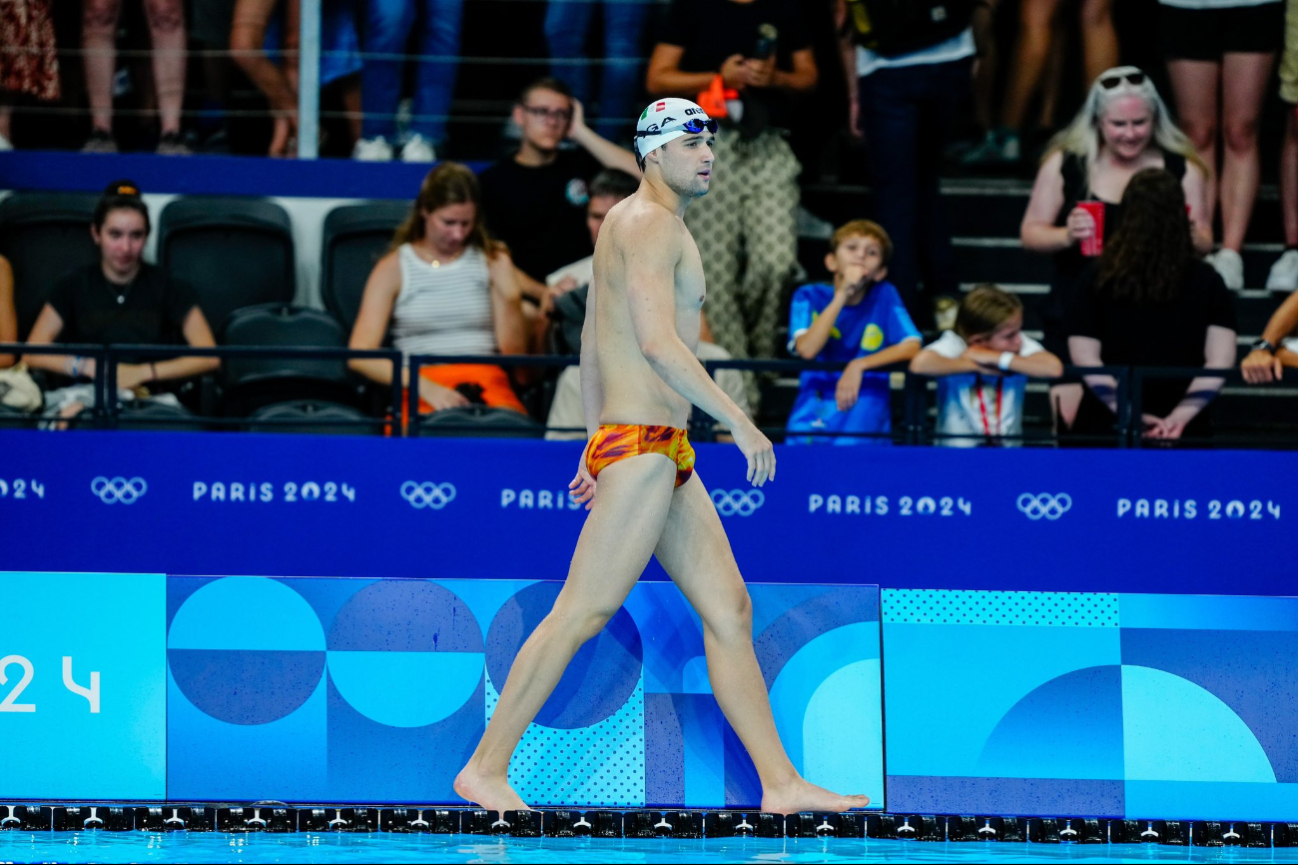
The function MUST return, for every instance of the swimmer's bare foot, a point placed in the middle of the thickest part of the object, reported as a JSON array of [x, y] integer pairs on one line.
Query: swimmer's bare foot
[[490, 794], [799, 796]]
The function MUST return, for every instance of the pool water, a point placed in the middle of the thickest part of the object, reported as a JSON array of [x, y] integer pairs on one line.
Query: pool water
[[381, 847]]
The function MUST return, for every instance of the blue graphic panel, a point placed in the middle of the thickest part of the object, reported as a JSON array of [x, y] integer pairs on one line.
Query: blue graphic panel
[[1106, 705], [82, 685], [362, 690]]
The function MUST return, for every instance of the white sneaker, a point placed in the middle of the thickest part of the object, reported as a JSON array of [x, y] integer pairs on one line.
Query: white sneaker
[[5, 143], [1228, 263], [418, 149], [1284, 273], [372, 150]]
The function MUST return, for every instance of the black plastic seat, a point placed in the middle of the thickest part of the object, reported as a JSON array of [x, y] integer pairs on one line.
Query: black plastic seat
[[44, 235], [481, 422], [250, 383], [355, 237], [236, 252], [158, 416], [311, 417]]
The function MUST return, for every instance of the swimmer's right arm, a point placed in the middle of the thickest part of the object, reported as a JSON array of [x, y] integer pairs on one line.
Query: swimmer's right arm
[[651, 294]]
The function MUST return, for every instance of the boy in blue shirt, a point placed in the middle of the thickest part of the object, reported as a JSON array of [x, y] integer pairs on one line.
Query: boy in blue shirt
[[859, 320]]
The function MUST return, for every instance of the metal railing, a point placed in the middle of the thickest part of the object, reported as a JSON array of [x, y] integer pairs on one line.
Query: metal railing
[[394, 408]]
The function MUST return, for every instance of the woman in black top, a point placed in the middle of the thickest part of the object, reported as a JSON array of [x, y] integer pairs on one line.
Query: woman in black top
[[122, 300], [1122, 128], [1150, 301]]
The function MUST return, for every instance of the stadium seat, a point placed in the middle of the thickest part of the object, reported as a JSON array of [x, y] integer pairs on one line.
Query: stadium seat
[[156, 416], [236, 252], [355, 238], [481, 422], [44, 235], [250, 383], [311, 417]]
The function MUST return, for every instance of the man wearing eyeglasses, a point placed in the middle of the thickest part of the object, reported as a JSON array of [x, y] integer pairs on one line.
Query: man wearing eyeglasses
[[535, 200], [640, 379]]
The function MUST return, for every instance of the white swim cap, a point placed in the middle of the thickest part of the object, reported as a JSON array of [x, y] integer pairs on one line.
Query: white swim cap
[[669, 119]]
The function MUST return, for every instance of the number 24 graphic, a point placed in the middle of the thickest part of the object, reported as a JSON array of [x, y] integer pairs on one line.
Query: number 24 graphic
[[10, 704]]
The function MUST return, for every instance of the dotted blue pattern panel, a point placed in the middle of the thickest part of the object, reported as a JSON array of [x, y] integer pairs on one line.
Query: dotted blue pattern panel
[[1087, 704]]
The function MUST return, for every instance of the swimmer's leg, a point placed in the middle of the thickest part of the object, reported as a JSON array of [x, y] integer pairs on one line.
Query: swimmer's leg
[[616, 542], [696, 554]]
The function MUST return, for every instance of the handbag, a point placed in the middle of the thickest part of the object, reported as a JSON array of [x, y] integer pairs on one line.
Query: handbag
[[18, 390]]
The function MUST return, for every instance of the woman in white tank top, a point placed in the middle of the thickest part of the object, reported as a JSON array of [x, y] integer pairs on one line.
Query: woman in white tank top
[[445, 287]]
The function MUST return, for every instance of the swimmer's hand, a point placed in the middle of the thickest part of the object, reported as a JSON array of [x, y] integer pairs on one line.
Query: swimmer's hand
[[582, 488], [759, 452]]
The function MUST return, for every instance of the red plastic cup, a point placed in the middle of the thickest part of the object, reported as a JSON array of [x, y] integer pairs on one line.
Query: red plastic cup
[[1093, 245]]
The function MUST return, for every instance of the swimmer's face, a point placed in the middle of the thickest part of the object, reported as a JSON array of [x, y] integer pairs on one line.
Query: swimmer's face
[[121, 240], [448, 228], [858, 256], [596, 210], [544, 118], [686, 164], [1007, 337]]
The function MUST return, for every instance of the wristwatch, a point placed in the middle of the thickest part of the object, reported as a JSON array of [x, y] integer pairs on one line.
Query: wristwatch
[[1263, 344]]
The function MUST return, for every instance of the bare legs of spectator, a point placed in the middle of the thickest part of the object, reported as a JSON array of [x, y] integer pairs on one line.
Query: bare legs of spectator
[[1036, 49], [247, 41], [167, 31], [1242, 79]]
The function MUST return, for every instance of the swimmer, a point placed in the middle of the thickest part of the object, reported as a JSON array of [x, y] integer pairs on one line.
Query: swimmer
[[639, 379]]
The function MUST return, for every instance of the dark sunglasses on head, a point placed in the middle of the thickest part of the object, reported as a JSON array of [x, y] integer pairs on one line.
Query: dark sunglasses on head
[[1111, 81], [693, 127]]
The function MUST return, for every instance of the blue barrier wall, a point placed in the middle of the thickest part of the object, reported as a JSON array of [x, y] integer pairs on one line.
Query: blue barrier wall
[[1063, 632], [1029, 520]]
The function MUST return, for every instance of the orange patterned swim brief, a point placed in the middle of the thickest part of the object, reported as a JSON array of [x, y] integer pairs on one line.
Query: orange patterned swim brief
[[615, 442]]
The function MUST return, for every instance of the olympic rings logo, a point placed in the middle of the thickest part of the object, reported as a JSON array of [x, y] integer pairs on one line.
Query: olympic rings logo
[[113, 491], [1045, 505], [742, 503], [428, 494]]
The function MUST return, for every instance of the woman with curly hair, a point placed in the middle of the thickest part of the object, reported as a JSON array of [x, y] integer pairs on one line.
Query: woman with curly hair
[[1150, 301]]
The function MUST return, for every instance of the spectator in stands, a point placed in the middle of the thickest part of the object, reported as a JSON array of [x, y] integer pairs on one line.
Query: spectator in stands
[[1122, 128], [388, 25], [564, 301], [1150, 301], [119, 300], [1277, 348], [99, 41], [8, 316], [986, 346], [1033, 54], [1227, 47], [339, 60], [746, 63], [909, 103], [446, 287], [1284, 273], [29, 60], [858, 320], [567, 23], [571, 285], [535, 201]]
